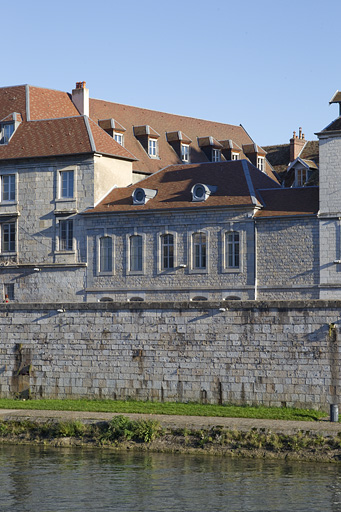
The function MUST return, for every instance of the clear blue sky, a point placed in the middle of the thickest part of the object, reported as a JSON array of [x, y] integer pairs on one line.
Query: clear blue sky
[[271, 66]]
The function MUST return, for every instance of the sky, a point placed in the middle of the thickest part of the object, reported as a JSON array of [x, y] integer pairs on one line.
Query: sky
[[271, 66]]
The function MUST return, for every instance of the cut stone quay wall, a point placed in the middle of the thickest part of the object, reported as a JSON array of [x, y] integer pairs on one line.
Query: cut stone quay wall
[[282, 353]]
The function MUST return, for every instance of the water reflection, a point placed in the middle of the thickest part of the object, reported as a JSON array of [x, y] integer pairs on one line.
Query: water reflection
[[37, 479]]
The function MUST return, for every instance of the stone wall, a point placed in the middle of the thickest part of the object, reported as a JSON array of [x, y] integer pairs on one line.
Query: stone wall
[[273, 353]]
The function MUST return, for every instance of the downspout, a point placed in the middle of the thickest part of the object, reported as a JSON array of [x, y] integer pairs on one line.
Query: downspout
[[255, 260]]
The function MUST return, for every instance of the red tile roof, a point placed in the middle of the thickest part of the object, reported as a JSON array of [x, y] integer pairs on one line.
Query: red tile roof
[[55, 127], [174, 184], [163, 123]]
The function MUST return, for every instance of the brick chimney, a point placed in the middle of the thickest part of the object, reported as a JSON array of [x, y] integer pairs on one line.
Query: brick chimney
[[80, 98], [296, 145]]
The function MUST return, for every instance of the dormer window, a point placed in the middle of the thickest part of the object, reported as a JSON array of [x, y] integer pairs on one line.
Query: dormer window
[[6, 131], [301, 177], [185, 153], [235, 156], [181, 145], [216, 155], [152, 148], [142, 195], [211, 147], [119, 138], [148, 138], [200, 192], [260, 163]]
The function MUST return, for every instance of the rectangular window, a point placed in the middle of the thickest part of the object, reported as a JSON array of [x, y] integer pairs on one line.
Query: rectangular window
[[215, 155], [8, 237], [260, 163], [235, 156], [185, 152], [199, 250], [66, 235], [8, 187], [66, 184], [119, 138], [167, 251], [6, 131], [105, 264], [152, 148], [9, 291], [301, 177], [232, 249], [136, 253]]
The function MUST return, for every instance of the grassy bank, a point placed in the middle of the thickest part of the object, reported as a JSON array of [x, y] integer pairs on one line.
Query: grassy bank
[[123, 433], [170, 408]]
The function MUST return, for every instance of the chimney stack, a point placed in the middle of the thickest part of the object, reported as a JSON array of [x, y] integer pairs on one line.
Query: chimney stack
[[296, 144], [80, 98]]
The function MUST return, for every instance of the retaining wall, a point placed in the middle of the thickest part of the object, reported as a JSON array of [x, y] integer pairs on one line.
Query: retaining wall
[[273, 353]]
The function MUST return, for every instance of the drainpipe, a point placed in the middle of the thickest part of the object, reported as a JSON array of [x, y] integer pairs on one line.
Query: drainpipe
[[255, 260]]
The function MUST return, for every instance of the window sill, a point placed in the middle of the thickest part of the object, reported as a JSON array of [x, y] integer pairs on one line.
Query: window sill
[[236, 270]]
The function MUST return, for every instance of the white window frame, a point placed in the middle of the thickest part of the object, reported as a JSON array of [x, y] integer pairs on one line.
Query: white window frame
[[216, 155], [235, 156], [301, 176], [118, 138], [185, 149], [108, 271], [261, 163], [6, 132], [12, 177], [226, 268], [13, 244], [152, 147], [69, 176], [129, 237], [64, 245], [193, 269]]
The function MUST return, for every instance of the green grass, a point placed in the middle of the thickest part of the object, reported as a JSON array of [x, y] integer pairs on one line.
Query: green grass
[[189, 409]]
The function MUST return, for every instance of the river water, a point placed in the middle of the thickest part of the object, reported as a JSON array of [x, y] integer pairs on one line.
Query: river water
[[41, 479]]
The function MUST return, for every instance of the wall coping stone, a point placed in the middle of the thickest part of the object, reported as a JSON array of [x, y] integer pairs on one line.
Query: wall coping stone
[[229, 305]]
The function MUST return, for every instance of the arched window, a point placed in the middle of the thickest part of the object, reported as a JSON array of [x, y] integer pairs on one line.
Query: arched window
[[136, 299], [199, 298], [167, 251], [199, 250], [105, 250], [136, 253], [232, 240]]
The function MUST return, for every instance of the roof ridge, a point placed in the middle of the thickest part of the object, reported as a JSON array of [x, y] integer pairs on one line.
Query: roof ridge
[[173, 115]]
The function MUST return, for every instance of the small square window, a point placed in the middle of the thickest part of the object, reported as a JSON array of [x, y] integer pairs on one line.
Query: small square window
[[66, 184], [6, 131], [235, 156]]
